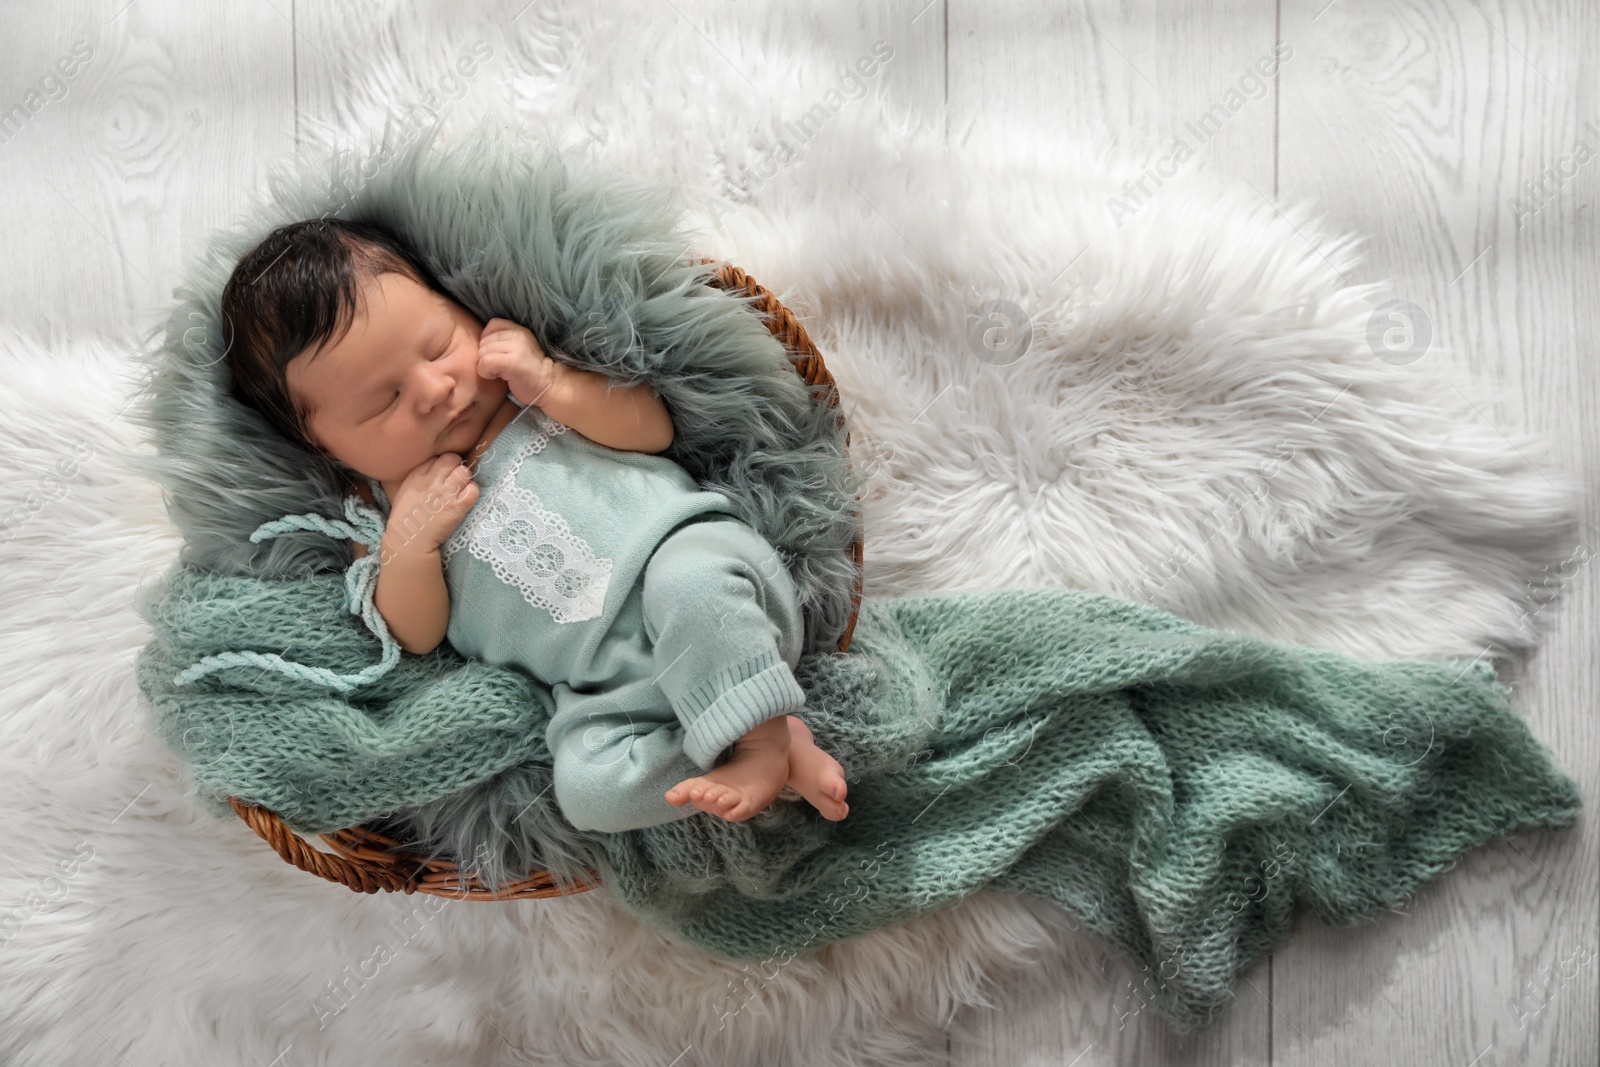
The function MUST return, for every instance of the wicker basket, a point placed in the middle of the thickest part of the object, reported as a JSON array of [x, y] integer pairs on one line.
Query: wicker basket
[[366, 860]]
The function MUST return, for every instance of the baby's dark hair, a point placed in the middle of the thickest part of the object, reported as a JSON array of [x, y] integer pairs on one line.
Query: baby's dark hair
[[295, 291]]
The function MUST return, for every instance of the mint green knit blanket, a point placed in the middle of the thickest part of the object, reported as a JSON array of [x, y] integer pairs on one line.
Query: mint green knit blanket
[[1183, 792]]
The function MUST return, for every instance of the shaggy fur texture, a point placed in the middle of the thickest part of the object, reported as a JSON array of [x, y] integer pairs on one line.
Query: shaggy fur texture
[[1170, 359]]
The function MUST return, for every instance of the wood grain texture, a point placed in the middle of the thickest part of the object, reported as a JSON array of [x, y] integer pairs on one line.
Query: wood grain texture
[[158, 138], [1420, 125]]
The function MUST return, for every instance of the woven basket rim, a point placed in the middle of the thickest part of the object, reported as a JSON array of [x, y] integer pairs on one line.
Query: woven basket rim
[[367, 861]]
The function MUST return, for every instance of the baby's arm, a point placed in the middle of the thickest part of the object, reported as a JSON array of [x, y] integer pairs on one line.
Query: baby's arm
[[630, 418], [411, 594]]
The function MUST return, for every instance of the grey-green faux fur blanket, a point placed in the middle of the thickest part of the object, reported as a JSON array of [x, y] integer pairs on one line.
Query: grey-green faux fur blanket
[[1182, 791]]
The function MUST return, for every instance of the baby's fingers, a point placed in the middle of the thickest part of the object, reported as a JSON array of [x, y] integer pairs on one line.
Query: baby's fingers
[[497, 327], [493, 362], [456, 478], [461, 500]]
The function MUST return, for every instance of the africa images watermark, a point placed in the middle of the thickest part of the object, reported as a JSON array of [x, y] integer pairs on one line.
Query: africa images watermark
[[51, 86], [54, 485], [338, 994], [417, 116], [1541, 988], [747, 179], [1154, 578], [1252, 85], [48, 890], [1549, 588], [1540, 191]]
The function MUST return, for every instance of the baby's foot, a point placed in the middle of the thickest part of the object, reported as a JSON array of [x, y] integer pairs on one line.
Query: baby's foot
[[814, 774], [750, 780]]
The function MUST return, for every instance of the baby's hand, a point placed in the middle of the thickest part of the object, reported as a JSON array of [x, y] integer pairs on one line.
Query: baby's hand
[[429, 505], [511, 352]]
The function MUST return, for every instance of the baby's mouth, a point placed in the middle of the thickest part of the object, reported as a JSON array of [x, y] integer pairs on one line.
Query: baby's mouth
[[461, 419]]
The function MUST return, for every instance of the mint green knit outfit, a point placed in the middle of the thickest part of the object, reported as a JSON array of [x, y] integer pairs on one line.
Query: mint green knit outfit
[[665, 627]]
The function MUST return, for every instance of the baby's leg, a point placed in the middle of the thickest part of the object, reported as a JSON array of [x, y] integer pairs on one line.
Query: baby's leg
[[615, 754], [750, 780], [814, 774], [722, 616]]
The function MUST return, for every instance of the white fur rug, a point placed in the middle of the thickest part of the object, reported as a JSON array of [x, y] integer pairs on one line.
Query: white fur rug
[[1197, 420]]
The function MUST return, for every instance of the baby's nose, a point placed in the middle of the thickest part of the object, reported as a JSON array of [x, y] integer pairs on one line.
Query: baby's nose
[[443, 387]]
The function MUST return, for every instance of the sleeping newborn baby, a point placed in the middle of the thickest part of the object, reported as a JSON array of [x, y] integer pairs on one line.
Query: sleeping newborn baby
[[530, 517]]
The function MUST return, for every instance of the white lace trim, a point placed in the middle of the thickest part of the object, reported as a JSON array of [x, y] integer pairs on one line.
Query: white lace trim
[[531, 547]]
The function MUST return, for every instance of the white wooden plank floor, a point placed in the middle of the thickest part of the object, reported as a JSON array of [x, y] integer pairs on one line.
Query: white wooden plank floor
[[1446, 130]]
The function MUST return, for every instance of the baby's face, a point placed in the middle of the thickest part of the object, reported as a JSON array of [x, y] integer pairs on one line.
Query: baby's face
[[401, 386]]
